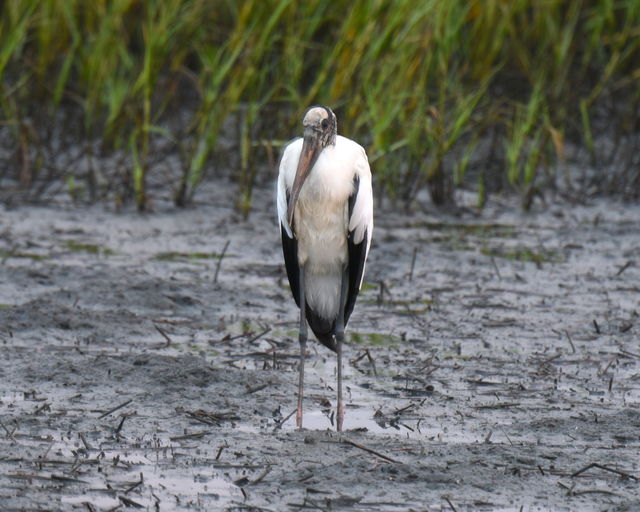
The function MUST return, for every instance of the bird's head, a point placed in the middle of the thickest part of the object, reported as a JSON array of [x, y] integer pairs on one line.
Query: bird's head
[[320, 130]]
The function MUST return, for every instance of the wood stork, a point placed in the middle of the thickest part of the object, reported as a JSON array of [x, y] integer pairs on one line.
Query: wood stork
[[325, 209]]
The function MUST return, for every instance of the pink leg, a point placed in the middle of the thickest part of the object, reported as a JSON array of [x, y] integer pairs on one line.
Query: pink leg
[[302, 337]]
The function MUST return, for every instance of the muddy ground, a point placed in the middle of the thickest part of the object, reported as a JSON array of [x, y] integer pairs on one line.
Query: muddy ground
[[494, 363]]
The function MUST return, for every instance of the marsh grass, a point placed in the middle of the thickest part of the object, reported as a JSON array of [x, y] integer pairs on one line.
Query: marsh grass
[[75, 246], [493, 94]]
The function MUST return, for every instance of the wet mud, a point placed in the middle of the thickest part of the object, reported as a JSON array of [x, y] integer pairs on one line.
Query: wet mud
[[149, 362]]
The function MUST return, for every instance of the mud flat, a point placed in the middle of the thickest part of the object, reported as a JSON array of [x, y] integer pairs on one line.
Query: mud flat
[[149, 362]]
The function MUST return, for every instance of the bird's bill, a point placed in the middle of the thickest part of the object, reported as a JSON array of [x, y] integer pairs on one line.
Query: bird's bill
[[308, 157]]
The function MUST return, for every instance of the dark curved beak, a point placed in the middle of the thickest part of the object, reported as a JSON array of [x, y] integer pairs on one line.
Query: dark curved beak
[[308, 156]]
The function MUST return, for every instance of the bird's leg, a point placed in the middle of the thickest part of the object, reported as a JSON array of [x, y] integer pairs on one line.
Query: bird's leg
[[302, 337], [339, 340]]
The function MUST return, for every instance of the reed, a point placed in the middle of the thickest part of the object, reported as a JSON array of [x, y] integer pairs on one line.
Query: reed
[[487, 94]]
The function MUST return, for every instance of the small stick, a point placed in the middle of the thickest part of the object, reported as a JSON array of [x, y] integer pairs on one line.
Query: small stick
[[373, 363], [130, 503], [625, 267], [509, 439], [604, 468], [550, 359], [627, 353], [222, 447], [119, 428], [573, 348], [593, 491], [259, 335], [135, 485], [195, 435], [9, 433], [495, 267], [164, 335], [595, 324], [402, 409], [84, 442], [124, 404], [450, 504], [283, 421], [357, 359], [369, 450], [224, 250]]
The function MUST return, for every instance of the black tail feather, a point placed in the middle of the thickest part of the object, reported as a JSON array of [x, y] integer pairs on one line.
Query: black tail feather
[[323, 329]]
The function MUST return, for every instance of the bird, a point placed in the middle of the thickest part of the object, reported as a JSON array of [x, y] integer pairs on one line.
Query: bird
[[325, 212]]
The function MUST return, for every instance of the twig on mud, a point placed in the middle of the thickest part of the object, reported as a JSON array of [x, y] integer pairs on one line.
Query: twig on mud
[[502, 405], [138, 483], [121, 424], [495, 267], [67, 479], [397, 412], [549, 360], [110, 411], [605, 468], [195, 435], [573, 348], [369, 450], [446, 498], [593, 491], [596, 326], [130, 503], [509, 439], [44, 456], [164, 335], [283, 421], [624, 267], [384, 289], [413, 263], [259, 335], [211, 418], [629, 354], [84, 441], [9, 432], [366, 354], [224, 251], [222, 447], [373, 363]]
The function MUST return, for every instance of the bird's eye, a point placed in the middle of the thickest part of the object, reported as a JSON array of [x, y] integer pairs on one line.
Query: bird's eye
[[324, 124]]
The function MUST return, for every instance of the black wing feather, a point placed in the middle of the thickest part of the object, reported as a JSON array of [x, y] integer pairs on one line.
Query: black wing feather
[[357, 258], [290, 251]]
